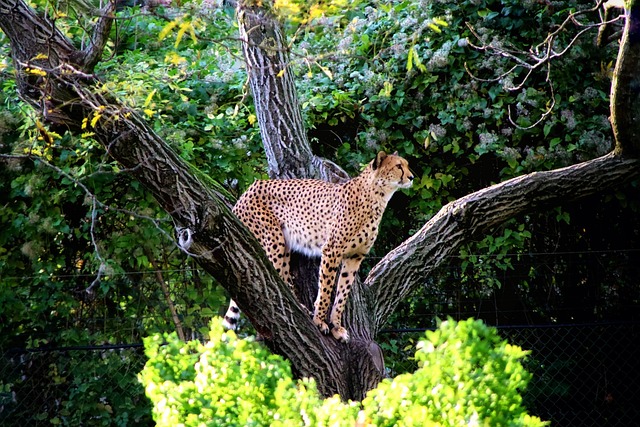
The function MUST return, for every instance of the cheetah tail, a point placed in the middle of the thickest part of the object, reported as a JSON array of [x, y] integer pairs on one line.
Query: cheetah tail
[[230, 320]]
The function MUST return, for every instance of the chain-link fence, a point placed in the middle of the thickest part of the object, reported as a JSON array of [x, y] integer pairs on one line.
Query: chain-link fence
[[583, 375], [78, 386], [586, 375]]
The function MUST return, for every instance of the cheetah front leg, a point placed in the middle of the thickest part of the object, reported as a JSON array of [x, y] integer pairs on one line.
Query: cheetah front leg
[[328, 268], [350, 266]]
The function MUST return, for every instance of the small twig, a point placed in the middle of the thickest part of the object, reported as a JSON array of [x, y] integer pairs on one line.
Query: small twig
[[167, 295], [542, 117], [94, 214], [538, 56], [543, 52]]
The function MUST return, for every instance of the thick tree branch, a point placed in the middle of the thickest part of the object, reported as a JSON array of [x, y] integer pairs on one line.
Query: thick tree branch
[[289, 155], [404, 269], [285, 141]]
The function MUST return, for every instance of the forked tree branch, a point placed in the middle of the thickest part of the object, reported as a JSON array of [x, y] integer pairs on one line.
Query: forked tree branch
[[404, 269]]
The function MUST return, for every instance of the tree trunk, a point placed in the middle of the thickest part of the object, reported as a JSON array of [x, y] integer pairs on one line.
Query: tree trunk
[[283, 134], [625, 86], [65, 95], [359, 364]]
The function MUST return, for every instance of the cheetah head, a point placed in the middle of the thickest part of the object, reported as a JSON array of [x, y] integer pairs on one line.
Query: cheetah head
[[393, 170]]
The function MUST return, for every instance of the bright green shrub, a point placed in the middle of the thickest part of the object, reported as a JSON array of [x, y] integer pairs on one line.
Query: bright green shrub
[[467, 376], [229, 381]]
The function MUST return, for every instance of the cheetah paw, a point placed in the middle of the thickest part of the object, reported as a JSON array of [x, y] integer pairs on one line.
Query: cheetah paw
[[322, 326], [340, 334]]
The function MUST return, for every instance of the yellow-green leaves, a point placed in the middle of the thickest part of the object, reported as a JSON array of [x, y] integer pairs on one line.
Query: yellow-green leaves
[[183, 27], [467, 376], [414, 57]]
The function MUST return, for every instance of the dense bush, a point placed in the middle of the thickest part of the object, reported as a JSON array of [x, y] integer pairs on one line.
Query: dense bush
[[467, 376]]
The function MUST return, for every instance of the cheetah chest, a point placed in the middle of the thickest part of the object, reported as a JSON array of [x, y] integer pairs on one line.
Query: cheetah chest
[[355, 227]]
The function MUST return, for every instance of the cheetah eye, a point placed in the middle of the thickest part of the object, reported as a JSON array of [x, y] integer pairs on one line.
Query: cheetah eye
[[399, 166]]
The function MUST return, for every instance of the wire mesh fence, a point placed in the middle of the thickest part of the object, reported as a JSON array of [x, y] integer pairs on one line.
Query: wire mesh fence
[[583, 375], [77, 386]]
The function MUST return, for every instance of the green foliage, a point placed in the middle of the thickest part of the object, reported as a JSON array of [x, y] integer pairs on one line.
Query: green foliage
[[374, 75], [92, 388], [498, 250], [467, 376], [84, 249], [229, 381]]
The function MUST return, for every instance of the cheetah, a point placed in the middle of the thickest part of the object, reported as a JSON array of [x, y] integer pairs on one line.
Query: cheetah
[[338, 222]]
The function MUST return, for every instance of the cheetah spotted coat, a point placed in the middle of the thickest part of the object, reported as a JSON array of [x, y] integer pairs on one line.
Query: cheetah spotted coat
[[338, 222]]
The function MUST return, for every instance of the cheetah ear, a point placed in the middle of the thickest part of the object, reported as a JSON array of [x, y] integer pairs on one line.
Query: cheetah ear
[[378, 161], [395, 153]]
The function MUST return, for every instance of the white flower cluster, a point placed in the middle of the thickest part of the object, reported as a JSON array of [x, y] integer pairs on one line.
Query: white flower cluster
[[440, 58], [488, 141], [437, 130], [569, 119]]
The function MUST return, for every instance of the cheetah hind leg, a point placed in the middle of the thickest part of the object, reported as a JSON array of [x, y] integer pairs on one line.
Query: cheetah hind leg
[[272, 240], [341, 334], [350, 266], [328, 267]]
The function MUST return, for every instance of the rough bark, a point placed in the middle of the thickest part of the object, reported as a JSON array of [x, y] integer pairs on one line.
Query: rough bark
[[283, 134], [66, 95], [402, 270]]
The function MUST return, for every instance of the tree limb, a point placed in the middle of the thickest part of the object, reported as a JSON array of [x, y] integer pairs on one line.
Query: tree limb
[[404, 269], [285, 141], [167, 295], [93, 52]]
